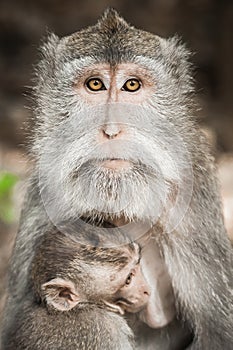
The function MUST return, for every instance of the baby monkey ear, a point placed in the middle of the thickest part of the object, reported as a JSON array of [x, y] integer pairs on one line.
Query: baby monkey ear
[[61, 294]]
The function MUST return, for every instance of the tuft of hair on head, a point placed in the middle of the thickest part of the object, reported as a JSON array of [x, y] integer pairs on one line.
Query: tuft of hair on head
[[111, 22]]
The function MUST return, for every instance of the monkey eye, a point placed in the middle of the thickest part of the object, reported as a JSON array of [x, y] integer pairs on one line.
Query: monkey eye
[[132, 85], [95, 84], [129, 278]]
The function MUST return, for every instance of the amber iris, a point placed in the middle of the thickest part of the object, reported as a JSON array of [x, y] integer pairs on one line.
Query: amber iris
[[132, 85], [95, 84]]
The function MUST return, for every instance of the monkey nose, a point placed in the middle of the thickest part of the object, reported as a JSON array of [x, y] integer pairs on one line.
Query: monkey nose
[[111, 131]]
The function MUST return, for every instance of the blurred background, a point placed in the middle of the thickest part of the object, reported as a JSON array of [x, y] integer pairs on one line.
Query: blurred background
[[205, 25]]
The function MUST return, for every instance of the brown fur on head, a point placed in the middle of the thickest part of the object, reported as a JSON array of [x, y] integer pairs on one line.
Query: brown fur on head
[[66, 273], [64, 253]]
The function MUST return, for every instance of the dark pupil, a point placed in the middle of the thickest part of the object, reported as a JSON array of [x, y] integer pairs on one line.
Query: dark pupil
[[128, 279], [96, 83], [132, 83]]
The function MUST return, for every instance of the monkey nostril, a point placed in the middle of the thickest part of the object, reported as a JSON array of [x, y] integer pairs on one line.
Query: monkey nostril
[[110, 133], [147, 292], [111, 136]]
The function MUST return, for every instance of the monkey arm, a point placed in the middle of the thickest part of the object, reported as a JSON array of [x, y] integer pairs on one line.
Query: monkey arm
[[34, 222], [199, 258]]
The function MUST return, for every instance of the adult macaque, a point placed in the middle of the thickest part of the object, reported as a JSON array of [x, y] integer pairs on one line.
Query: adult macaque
[[116, 141], [80, 292]]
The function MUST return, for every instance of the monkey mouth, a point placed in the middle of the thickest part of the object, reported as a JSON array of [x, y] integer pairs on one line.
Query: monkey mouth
[[130, 306], [116, 164]]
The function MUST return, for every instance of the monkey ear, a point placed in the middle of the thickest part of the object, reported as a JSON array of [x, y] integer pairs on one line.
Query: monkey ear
[[61, 294], [177, 57], [46, 66]]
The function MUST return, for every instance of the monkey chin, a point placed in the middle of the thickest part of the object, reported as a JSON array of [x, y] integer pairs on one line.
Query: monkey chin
[[116, 164]]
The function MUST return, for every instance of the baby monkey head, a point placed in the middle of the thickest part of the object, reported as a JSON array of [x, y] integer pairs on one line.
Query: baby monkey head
[[69, 275]]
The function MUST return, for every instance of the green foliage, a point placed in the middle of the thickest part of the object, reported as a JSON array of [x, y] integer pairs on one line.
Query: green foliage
[[7, 183]]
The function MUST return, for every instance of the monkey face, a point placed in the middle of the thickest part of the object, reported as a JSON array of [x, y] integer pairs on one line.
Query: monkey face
[[134, 294], [108, 138], [121, 288]]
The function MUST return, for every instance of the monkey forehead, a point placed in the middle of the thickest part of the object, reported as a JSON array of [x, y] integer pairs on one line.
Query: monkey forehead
[[112, 39], [104, 256]]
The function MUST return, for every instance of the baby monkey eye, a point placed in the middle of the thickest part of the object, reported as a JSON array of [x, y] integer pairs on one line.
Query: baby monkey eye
[[129, 278], [95, 84], [132, 85]]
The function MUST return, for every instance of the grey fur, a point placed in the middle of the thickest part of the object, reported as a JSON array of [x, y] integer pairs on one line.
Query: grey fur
[[197, 252]]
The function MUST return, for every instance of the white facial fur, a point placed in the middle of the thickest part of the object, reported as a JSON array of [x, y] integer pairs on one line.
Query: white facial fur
[[112, 151]]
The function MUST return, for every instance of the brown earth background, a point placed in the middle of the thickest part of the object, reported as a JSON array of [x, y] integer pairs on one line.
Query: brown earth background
[[205, 25]]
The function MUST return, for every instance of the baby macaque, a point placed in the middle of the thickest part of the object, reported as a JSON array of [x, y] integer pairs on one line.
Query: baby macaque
[[81, 292]]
